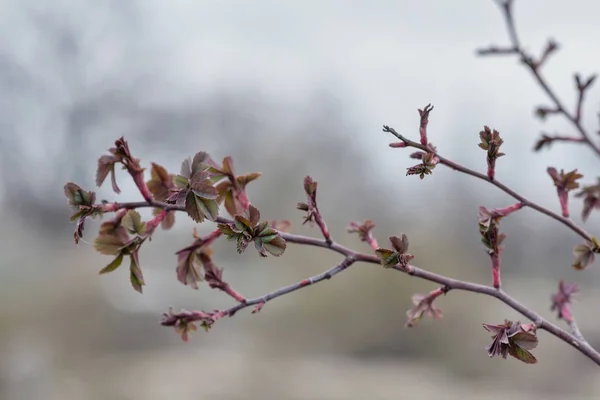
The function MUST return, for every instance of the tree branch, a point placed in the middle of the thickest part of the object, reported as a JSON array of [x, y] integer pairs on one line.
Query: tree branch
[[351, 257]]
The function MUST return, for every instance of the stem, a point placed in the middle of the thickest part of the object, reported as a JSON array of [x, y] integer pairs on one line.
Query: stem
[[457, 167]]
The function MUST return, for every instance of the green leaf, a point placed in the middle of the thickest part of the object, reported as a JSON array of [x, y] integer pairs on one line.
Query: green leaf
[[186, 169], [260, 247], [132, 221], [526, 340], [226, 230], [135, 273], [78, 215], [521, 354], [243, 223], [388, 258], [230, 203], [193, 208], [77, 196], [276, 246], [210, 208], [181, 181], [113, 265]]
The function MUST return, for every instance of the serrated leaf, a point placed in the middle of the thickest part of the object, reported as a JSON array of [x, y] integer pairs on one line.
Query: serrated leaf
[[243, 223], [181, 181], [226, 230], [132, 221], [108, 244], [186, 169], [203, 187], [192, 208], [210, 208], [77, 196], [113, 265], [200, 162], [276, 246], [160, 183]]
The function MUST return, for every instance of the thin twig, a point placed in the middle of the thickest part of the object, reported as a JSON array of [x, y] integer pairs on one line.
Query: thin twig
[[457, 167], [534, 68]]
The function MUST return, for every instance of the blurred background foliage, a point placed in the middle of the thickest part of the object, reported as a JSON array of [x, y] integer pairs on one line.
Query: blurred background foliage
[[288, 89]]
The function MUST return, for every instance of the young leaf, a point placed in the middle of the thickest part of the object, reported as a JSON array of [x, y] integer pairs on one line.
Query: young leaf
[[243, 223], [106, 164], [108, 244], [200, 163], [132, 221], [113, 265], [388, 258], [188, 269], [136, 277], [181, 181], [160, 183], [194, 207], [77, 196], [399, 244], [253, 215], [584, 256], [275, 246], [210, 208]]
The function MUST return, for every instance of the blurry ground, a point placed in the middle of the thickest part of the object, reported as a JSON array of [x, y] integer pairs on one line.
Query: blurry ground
[[309, 100]]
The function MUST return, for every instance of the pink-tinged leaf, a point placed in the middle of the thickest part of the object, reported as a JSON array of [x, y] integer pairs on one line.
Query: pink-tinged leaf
[[106, 165], [253, 215], [188, 269], [160, 183], [400, 244], [199, 163]]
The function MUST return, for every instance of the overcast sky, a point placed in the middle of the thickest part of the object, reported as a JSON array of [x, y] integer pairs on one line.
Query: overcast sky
[[380, 60]]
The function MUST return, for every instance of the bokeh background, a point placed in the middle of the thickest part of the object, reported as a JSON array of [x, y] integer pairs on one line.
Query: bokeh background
[[287, 88]]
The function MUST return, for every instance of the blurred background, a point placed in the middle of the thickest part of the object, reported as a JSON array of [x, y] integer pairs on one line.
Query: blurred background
[[287, 88]]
